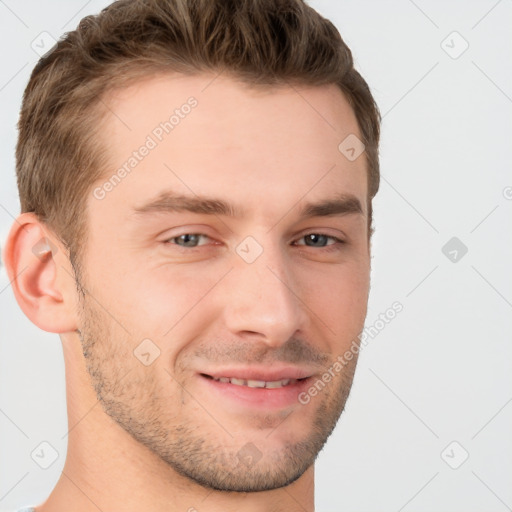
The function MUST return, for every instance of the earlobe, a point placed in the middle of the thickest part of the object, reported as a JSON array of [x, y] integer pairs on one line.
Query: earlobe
[[33, 258]]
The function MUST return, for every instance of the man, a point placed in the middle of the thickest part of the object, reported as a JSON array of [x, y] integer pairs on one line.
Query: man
[[196, 181]]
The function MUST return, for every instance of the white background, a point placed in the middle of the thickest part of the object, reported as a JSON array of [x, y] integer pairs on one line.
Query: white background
[[441, 370]]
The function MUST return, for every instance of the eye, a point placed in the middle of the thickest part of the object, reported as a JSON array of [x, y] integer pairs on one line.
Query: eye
[[319, 240], [187, 240]]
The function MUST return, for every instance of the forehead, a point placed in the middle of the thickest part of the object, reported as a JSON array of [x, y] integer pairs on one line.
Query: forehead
[[212, 135]]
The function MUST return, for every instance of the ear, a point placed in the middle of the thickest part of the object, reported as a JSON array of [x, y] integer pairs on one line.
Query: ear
[[41, 275]]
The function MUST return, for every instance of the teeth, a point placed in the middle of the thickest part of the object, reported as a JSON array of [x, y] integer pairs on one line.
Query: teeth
[[256, 383], [277, 383]]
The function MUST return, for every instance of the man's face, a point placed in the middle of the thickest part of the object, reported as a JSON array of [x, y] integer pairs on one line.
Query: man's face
[[203, 323]]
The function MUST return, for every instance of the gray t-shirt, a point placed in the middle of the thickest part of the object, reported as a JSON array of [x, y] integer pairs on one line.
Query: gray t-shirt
[[29, 509]]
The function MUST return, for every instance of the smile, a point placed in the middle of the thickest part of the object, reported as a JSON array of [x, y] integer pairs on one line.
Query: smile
[[274, 384]]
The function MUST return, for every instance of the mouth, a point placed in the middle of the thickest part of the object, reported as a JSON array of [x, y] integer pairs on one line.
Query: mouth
[[257, 389], [250, 383]]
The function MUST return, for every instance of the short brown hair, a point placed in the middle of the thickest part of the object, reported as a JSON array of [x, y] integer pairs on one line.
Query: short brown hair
[[260, 42]]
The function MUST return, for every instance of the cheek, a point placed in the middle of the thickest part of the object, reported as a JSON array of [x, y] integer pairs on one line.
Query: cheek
[[170, 306], [338, 299], [149, 300], [173, 294]]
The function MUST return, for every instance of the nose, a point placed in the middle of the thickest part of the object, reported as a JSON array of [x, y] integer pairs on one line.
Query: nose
[[260, 300]]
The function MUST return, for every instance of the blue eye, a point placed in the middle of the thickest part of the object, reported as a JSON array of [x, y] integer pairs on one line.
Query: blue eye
[[319, 240], [187, 240]]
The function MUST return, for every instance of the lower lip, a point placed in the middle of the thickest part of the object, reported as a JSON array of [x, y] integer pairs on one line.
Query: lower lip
[[261, 398]]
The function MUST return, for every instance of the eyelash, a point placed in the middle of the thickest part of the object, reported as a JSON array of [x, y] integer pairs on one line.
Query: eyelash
[[331, 247]]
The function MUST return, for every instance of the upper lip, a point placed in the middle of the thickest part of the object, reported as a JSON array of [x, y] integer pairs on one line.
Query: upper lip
[[267, 374]]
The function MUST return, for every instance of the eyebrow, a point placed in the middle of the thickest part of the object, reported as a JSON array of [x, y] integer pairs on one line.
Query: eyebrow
[[168, 202]]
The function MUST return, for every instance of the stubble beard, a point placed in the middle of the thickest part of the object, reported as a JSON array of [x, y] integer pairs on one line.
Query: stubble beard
[[204, 454]]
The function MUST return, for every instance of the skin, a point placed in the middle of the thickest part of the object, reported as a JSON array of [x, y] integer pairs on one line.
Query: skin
[[158, 435]]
